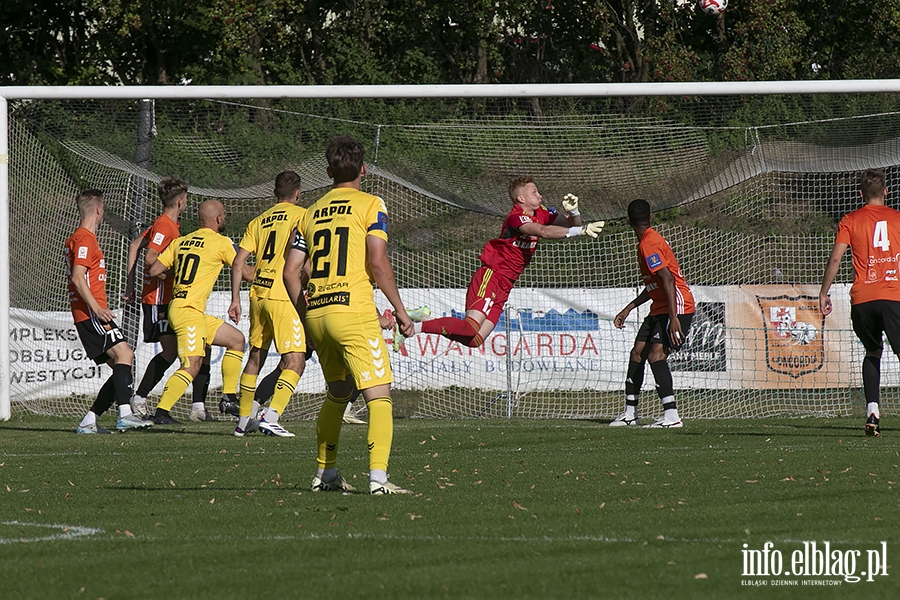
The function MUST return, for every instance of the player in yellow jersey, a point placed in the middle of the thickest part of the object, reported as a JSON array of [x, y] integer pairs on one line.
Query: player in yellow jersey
[[195, 261], [272, 314], [344, 235]]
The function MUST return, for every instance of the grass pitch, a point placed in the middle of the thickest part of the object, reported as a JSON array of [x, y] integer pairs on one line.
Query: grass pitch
[[502, 509]]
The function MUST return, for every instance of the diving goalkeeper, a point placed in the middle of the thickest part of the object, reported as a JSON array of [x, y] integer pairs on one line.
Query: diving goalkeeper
[[503, 259]]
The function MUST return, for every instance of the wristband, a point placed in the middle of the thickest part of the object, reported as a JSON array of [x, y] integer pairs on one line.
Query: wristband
[[574, 231], [574, 212]]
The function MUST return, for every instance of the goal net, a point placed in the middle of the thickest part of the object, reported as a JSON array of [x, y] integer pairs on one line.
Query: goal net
[[747, 190]]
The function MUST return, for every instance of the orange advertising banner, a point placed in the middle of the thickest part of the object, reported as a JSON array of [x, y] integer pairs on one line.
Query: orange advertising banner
[[780, 339]]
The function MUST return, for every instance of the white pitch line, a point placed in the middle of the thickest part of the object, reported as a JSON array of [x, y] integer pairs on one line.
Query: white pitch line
[[65, 532]]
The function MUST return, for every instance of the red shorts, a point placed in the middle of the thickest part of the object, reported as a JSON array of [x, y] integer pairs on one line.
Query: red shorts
[[487, 293]]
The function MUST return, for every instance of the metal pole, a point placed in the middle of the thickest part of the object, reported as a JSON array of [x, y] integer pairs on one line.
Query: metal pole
[[137, 216], [5, 385], [509, 385]]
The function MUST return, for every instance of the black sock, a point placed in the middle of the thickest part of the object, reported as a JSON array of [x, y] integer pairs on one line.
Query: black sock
[[634, 379], [122, 380], [266, 388], [105, 397], [663, 377], [156, 368], [200, 385], [871, 375]]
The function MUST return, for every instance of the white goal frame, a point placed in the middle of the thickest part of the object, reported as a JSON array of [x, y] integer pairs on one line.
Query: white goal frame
[[375, 91]]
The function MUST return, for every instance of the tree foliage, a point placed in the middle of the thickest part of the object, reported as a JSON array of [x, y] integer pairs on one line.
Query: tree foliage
[[102, 42]]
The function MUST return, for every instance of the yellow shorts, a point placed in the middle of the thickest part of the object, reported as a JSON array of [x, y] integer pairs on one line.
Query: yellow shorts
[[351, 343], [194, 330], [278, 320]]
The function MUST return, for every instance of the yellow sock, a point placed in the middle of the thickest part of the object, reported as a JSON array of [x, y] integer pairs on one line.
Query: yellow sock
[[231, 370], [328, 430], [284, 389], [381, 432], [248, 388], [175, 388]]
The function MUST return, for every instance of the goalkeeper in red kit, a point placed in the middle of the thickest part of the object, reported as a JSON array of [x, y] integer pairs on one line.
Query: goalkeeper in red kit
[[503, 259]]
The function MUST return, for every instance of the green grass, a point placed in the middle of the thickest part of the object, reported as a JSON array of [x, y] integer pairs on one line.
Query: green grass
[[503, 509]]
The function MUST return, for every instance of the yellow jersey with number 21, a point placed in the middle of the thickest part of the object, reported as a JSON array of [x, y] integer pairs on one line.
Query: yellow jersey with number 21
[[335, 228]]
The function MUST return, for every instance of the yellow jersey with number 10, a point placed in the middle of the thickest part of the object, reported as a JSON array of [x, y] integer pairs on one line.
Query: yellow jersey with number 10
[[335, 228], [197, 259]]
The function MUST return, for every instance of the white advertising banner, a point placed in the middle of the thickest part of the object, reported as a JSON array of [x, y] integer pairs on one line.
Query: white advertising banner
[[763, 337]]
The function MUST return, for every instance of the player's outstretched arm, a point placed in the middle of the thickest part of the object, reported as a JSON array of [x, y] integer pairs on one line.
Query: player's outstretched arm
[[237, 276], [558, 232], [831, 269], [384, 276]]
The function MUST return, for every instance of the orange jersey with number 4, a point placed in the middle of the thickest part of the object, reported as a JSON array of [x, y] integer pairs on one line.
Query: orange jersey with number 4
[[873, 234]]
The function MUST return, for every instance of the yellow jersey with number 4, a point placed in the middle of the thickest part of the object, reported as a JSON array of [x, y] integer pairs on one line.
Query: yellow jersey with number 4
[[335, 228], [268, 237]]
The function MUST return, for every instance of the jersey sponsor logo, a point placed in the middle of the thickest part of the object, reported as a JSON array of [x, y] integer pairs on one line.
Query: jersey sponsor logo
[[263, 282], [82, 251], [333, 209], [273, 218], [654, 261], [191, 243], [529, 243], [794, 330], [312, 289], [180, 295], [159, 238], [337, 298]]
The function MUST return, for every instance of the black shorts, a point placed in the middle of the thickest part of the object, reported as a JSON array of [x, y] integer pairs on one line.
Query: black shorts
[[156, 322], [655, 330], [98, 337], [871, 319]]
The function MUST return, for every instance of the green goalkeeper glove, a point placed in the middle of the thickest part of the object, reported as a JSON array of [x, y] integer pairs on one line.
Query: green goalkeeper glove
[[570, 205], [591, 229]]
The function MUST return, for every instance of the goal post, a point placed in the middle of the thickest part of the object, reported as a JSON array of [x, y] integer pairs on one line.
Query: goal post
[[719, 183]]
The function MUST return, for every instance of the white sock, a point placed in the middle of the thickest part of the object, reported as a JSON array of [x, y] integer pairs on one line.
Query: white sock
[[254, 408], [378, 475], [671, 415], [326, 475], [139, 399], [630, 410], [872, 408], [197, 406], [271, 416], [88, 420], [243, 422], [124, 410]]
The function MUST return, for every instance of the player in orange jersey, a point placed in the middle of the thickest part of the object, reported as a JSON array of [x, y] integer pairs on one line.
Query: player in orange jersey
[[875, 293], [102, 339], [664, 329], [157, 293]]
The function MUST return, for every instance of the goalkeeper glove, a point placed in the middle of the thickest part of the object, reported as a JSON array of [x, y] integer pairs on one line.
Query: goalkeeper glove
[[570, 205], [591, 229]]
